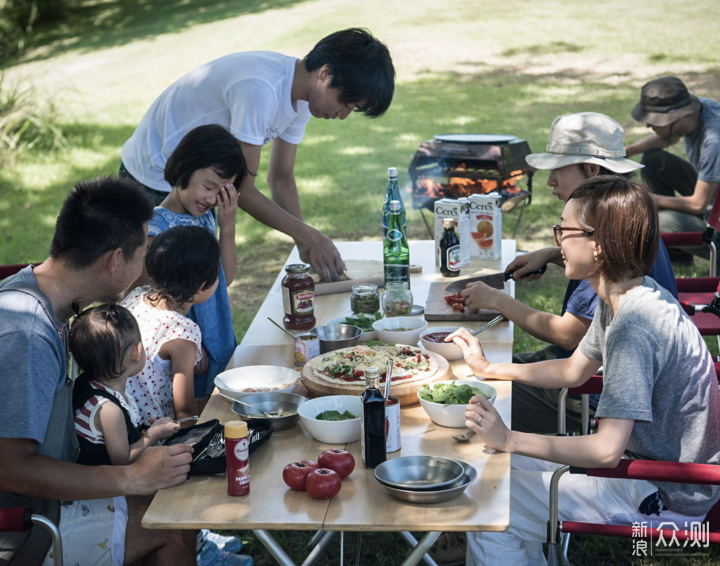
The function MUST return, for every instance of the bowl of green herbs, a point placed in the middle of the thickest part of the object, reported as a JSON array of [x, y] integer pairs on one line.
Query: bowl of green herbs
[[334, 419], [445, 401], [362, 321]]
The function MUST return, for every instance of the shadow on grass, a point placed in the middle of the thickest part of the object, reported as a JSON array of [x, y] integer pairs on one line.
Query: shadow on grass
[[101, 24]]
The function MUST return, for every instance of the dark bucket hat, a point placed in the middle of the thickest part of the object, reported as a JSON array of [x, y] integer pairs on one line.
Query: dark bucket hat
[[664, 101]]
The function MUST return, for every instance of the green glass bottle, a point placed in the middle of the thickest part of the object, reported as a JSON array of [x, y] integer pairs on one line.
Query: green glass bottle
[[393, 193], [396, 252]]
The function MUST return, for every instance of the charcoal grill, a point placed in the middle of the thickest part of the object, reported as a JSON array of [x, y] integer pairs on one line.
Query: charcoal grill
[[460, 165]]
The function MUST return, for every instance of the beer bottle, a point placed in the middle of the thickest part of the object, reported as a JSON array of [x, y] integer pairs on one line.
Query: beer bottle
[[396, 253], [393, 193], [449, 249]]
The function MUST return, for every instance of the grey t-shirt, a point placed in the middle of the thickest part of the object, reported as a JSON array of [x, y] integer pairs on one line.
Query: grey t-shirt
[[33, 364], [703, 145], [659, 372]]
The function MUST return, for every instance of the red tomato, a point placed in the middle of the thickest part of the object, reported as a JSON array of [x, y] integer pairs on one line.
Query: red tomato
[[295, 474], [339, 460], [323, 483]]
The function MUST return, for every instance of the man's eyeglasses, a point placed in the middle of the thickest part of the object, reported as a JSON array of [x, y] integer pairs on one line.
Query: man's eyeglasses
[[558, 230]]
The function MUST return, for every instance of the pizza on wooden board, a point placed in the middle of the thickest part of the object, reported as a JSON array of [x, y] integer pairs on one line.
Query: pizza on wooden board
[[347, 366]]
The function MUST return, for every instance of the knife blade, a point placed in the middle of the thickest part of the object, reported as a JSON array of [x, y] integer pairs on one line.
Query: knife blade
[[496, 280]]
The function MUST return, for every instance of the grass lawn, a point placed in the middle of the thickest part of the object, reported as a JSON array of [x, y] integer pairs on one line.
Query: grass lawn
[[462, 67]]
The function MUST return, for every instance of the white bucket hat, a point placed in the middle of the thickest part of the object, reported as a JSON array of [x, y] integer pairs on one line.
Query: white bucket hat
[[585, 137]]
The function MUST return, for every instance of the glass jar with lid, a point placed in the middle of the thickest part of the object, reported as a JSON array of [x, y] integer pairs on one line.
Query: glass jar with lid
[[298, 294], [397, 299], [365, 299]]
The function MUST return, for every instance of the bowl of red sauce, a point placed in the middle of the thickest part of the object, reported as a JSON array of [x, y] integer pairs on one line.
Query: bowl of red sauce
[[433, 339]]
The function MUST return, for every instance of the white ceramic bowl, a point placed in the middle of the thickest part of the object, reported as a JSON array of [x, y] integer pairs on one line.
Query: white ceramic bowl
[[447, 350], [453, 416], [332, 432], [364, 337], [240, 382], [386, 329]]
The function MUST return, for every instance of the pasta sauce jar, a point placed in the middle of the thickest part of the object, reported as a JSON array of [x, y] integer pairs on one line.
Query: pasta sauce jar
[[298, 294]]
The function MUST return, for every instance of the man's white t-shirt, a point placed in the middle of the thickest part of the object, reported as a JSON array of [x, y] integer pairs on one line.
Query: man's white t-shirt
[[247, 93]]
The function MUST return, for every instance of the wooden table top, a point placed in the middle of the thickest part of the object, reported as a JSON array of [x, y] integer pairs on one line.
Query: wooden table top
[[362, 504]]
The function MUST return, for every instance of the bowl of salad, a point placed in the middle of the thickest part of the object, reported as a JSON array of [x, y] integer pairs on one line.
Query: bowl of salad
[[362, 321], [445, 401], [334, 419]]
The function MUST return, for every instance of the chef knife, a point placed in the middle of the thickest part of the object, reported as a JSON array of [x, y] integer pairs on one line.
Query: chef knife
[[496, 280]]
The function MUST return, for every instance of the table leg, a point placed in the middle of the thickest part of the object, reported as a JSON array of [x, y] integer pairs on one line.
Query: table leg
[[319, 548], [420, 551], [274, 548]]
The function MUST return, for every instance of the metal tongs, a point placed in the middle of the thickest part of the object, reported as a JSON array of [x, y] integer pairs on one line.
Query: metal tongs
[[388, 377]]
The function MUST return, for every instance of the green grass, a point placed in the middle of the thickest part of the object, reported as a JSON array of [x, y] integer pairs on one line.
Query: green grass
[[462, 67]]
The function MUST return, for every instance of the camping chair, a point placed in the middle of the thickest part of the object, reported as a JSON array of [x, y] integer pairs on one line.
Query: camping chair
[[21, 519], [628, 469], [696, 239], [8, 270]]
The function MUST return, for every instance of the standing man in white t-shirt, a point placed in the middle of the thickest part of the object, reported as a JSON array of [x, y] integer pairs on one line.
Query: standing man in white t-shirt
[[263, 97]]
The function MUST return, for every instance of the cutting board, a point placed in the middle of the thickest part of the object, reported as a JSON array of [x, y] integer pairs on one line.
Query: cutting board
[[437, 308], [406, 392], [357, 272]]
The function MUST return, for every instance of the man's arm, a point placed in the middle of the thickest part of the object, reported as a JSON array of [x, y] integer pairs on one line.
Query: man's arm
[[565, 331], [696, 203], [653, 141], [25, 472], [314, 247]]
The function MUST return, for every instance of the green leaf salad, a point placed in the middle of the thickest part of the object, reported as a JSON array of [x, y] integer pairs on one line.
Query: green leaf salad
[[449, 393]]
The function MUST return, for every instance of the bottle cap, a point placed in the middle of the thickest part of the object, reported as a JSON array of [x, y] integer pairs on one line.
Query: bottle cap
[[392, 172], [236, 429], [371, 373], [297, 268], [448, 222], [394, 206]]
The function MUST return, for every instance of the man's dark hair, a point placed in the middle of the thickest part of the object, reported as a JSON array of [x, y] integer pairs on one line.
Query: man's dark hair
[[100, 338], [623, 215], [361, 68], [206, 147], [100, 215], [603, 171], [181, 262]]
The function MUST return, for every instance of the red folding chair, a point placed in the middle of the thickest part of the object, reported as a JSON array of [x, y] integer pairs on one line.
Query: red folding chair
[[8, 270], [696, 239], [21, 520]]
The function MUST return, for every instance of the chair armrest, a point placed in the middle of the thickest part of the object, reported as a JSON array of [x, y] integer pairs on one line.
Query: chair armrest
[[15, 520], [697, 284], [653, 470], [591, 386], [672, 239]]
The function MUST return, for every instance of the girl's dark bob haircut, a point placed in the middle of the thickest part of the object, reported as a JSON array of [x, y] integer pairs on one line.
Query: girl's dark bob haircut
[[181, 262], [624, 217]]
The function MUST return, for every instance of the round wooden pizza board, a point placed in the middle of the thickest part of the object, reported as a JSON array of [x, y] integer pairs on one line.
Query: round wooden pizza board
[[406, 392]]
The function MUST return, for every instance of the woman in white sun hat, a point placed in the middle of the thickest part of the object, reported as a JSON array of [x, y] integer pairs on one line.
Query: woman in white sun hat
[[581, 146]]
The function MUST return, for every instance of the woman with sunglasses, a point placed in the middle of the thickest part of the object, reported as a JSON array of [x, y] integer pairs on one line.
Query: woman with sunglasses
[[660, 397], [581, 146]]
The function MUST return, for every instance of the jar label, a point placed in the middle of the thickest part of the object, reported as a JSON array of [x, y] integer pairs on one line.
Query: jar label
[[303, 301], [453, 258], [242, 450]]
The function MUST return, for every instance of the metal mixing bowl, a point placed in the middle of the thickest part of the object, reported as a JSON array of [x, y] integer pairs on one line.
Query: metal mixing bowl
[[336, 336], [287, 403], [419, 473], [436, 496]]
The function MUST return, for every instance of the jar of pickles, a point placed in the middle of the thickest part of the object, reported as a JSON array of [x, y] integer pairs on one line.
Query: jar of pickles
[[397, 299], [298, 294], [364, 299]]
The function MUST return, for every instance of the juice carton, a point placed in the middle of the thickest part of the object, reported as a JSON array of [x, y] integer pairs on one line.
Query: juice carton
[[457, 210], [485, 226]]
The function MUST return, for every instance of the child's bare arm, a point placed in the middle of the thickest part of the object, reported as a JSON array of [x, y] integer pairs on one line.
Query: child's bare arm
[[182, 359], [227, 211]]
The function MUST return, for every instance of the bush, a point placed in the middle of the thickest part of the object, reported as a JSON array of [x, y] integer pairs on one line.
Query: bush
[[24, 123], [17, 18]]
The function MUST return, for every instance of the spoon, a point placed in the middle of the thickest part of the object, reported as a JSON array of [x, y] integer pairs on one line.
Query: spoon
[[388, 378], [260, 411], [493, 322], [464, 437], [281, 328]]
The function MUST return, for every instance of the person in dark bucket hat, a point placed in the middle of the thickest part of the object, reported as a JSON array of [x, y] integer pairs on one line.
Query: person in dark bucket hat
[[684, 189]]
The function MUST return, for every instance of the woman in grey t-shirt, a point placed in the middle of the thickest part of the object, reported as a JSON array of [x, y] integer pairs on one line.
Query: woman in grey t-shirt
[[660, 398]]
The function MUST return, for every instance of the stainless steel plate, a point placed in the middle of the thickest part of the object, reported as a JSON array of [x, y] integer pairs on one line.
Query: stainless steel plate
[[272, 402], [436, 496], [419, 473]]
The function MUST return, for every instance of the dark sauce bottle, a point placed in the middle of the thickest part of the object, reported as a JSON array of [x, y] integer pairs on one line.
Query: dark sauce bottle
[[372, 419], [449, 250]]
